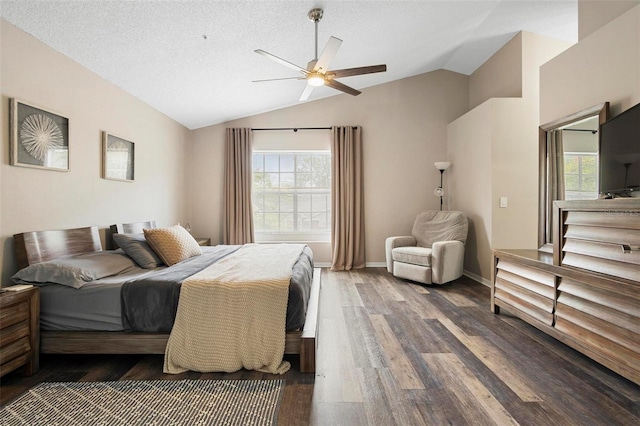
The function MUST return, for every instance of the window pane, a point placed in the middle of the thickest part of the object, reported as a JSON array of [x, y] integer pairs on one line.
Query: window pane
[[257, 163], [319, 202], [303, 180], [271, 202], [271, 162], [272, 180], [571, 164], [303, 163], [258, 202], [589, 165], [589, 183], [286, 202], [271, 221], [258, 181], [287, 180], [304, 203], [258, 220], [287, 223], [304, 222], [287, 163], [571, 182]]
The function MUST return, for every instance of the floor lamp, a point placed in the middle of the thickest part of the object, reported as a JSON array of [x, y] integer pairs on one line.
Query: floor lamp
[[442, 166]]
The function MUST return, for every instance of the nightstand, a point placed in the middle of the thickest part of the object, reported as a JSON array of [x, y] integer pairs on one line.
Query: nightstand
[[203, 241], [20, 330]]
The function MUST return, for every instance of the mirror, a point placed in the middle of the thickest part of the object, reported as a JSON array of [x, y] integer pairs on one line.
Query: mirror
[[568, 167]]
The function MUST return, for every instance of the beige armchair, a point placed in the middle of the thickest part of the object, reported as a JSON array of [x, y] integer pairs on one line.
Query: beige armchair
[[434, 253]]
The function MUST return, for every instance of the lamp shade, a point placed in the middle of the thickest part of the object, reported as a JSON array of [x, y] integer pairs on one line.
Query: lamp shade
[[442, 165]]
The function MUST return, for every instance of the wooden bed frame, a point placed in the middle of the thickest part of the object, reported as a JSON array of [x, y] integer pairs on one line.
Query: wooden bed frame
[[41, 246]]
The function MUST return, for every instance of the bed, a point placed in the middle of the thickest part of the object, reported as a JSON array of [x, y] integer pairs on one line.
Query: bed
[[42, 246]]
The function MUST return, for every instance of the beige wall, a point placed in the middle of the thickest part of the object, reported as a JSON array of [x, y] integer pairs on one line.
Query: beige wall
[[404, 131], [34, 199], [500, 76], [469, 179], [497, 143], [594, 14], [605, 66]]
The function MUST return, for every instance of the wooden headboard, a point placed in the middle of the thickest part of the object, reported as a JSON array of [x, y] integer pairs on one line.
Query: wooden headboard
[[129, 228], [132, 228], [41, 246]]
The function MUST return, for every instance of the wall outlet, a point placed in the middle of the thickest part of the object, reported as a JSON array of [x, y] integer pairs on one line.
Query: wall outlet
[[503, 202]]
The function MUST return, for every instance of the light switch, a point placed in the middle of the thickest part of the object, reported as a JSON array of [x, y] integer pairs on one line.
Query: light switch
[[503, 202]]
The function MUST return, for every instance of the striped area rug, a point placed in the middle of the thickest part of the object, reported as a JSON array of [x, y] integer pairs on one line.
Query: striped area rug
[[152, 402]]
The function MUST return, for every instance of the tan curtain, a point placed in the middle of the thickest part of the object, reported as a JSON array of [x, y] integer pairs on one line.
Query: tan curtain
[[237, 219], [347, 195], [555, 176]]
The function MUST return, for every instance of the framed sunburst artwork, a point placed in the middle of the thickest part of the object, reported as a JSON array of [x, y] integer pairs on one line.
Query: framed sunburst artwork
[[39, 138]]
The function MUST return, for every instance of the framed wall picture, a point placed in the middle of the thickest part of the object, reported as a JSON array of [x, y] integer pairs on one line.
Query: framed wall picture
[[118, 158], [39, 138]]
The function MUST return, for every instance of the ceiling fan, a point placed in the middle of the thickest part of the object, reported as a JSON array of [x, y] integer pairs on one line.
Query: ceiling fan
[[317, 72]]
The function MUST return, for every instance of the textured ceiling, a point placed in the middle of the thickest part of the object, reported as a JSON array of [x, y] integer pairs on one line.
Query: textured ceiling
[[194, 60]]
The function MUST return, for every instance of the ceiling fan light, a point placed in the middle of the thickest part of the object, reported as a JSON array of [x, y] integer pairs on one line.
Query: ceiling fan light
[[315, 80]]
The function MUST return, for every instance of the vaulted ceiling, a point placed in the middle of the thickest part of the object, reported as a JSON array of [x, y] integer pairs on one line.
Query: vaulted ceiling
[[195, 62]]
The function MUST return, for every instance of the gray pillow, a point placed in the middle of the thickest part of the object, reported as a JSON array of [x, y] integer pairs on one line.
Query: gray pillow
[[76, 271], [137, 248]]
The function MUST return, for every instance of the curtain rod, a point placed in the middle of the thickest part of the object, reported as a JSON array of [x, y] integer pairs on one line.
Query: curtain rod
[[295, 129], [580, 130]]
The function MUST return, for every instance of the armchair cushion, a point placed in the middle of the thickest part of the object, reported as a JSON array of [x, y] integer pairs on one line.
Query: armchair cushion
[[415, 255]]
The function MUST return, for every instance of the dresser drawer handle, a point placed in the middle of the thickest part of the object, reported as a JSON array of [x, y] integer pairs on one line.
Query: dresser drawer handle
[[626, 248]]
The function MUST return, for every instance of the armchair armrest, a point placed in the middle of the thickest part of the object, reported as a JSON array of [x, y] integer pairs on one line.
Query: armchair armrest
[[393, 242], [447, 260]]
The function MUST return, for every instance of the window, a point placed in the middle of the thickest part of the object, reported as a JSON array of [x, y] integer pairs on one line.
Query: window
[[580, 176], [291, 195]]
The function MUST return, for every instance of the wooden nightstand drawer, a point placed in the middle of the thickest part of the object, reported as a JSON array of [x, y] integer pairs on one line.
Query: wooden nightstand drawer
[[20, 330], [12, 314], [14, 350], [13, 333]]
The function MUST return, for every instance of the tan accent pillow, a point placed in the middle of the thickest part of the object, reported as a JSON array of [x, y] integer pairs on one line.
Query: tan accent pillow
[[173, 244]]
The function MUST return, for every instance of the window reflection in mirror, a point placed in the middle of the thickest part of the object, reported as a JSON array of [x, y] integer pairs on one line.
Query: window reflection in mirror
[[568, 164]]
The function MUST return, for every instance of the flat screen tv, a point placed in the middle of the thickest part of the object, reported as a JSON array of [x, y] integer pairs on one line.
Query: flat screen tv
[[620, 154]]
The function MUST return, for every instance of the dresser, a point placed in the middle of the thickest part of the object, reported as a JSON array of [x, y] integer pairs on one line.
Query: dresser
[[587, 292], [20, 330]]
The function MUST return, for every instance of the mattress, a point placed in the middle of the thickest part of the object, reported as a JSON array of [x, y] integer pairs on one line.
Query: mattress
[[98, 305]]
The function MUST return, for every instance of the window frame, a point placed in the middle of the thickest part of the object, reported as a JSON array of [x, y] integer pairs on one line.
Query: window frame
[[295, 235]]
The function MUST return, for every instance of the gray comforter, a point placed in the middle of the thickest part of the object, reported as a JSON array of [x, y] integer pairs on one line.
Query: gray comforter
[[149, 304]]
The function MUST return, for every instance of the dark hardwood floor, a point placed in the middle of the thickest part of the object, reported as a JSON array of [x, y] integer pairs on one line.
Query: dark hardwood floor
[[397, 353]]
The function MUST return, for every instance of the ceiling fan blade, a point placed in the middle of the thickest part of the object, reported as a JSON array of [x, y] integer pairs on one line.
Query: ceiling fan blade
[[306, 92], [342, 87], [348, 72], [327, 54], [281, 61], [278, 79]]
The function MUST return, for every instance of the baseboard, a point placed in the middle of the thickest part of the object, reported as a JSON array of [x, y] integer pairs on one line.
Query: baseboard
[[367, 265], [476, 278]]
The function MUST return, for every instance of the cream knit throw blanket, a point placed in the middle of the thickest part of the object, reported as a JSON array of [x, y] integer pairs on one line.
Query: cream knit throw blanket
[[232, 315]]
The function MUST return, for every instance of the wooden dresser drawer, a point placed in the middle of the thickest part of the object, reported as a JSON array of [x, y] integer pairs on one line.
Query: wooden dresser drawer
[[603, 315], [527, 289], [593, 241]]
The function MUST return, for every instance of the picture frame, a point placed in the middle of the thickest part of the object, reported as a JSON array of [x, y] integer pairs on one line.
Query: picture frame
[[118, 158], [39, 137]]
